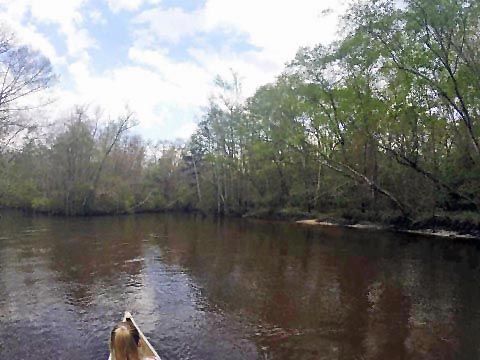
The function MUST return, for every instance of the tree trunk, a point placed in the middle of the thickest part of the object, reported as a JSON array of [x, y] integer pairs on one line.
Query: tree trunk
[[350, 172], [199, 194]]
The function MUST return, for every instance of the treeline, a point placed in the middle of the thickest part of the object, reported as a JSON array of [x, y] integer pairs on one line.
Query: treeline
[[383, 124]]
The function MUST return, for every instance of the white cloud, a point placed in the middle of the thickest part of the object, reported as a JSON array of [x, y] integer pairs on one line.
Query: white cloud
[[187, 83], [150, 86], [67, 15], [275, 29], [13, 11], [78, 42], [132, 86], [29, 35], [129, 5], [64, 13], [251, 67], [96, 17], [185, 130], [117, 5], [171, 25]]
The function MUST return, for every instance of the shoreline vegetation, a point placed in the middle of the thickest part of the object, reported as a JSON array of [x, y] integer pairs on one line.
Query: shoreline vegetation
[[380, 127]]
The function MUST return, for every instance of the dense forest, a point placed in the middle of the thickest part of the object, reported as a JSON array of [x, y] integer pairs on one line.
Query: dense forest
[[382, 125]]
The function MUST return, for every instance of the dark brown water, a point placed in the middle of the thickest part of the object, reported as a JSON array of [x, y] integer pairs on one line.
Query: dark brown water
[[203, 289]]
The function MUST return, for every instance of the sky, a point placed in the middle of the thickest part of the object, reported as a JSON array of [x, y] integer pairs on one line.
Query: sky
[[160, 57]]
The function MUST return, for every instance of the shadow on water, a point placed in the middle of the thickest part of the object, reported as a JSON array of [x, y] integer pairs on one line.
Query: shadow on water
[[234, 289]]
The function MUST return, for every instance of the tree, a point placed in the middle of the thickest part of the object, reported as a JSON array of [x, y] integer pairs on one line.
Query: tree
[[435, 42], [23, 74], [71, 166], [111, 136]]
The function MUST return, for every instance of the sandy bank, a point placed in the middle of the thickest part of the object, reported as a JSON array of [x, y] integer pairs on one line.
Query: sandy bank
[[370, 226]]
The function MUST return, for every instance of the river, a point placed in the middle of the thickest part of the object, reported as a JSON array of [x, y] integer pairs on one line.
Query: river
[[234, 289]]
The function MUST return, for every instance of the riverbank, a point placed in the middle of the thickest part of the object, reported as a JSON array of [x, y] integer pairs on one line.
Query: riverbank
[[465, 225], [472, 233], [461, 225]]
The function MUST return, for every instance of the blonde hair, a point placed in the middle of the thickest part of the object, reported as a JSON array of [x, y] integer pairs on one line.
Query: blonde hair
[[124, 342]]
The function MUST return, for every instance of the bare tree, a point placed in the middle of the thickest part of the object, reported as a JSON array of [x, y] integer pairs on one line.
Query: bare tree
[[23, 73], [116, 129]]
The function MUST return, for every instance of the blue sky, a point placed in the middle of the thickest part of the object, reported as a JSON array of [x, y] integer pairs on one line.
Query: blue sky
[[160, 57]]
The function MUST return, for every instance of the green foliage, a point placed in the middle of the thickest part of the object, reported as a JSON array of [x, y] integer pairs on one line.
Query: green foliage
[[42, 204]]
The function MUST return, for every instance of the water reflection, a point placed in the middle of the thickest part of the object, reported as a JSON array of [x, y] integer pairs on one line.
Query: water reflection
[[205, 289]]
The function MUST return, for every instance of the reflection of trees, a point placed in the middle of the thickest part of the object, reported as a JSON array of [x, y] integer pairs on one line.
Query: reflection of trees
[[89, 251], [389, 323], [355, 275], [412, 314], [31, 301], [279, 281], [465, 302], [80, 252]]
